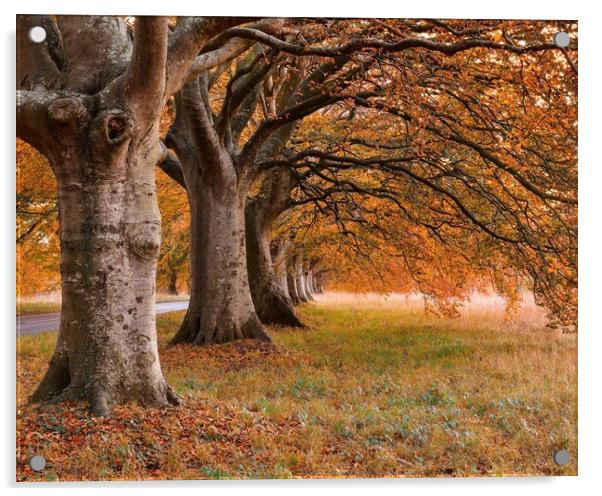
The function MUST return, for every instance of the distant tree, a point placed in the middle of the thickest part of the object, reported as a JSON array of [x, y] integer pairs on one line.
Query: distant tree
[[38, 260], [173, 266]]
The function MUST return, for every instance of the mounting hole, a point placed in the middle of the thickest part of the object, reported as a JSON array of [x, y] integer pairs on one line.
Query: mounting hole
[[562, 39], [37, 463], [37, 34], [562, 457]]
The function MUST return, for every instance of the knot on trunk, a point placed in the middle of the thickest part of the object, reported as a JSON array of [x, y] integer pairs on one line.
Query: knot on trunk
[[67, 110], [117, 126], [144, 240]]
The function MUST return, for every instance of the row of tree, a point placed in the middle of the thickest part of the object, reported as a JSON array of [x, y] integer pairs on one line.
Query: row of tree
[[438, 155]]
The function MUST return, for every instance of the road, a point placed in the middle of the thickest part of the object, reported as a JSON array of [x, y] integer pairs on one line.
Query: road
[[36, 323]]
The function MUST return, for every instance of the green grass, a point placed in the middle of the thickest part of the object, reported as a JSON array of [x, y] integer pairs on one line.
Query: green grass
[[376, 390], [35, 307], [162, 298], [30, 307]]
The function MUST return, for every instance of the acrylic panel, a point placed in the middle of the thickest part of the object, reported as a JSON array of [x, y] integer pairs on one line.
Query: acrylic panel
[[257, 248]]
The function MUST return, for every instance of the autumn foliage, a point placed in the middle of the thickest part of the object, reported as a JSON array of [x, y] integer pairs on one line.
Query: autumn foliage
[[439, 173]]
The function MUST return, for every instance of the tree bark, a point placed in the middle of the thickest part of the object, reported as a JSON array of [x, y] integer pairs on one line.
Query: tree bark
[[220, 308], [272, 303], [300, 283], [292, 285], [110, 237], [102, 145]]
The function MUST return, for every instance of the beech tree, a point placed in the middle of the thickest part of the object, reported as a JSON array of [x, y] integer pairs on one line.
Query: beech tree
[[255, 121], [217, 164], [440, 192], [476, 151], [269, 289], [89, 99]]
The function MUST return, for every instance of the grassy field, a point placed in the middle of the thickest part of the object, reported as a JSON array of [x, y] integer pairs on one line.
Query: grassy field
[[36, 307], [373, 389], [52, 303]]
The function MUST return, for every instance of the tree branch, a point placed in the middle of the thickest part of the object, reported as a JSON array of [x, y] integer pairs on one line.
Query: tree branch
[[387, 46], [303, 109], [145, 76], [173, 168], [32, 123], [188, 39]]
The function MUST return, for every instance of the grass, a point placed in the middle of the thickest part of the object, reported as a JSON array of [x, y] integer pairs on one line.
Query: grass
[[52, 303], [371, 390], [36, 307], [162, 298]]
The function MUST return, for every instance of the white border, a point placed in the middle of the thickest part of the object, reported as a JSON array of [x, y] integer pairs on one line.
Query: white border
[[590, 240]]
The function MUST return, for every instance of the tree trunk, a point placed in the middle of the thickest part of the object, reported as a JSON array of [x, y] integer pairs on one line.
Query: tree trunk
[[318, 282], [90, 99], [173, 281], [279, 262], [110, 237], [308, 286], [220, 308], [272, 303], [209, 146], [291, 282], [300, 280]]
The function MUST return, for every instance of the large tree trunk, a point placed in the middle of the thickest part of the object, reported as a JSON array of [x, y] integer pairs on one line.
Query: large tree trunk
[[221, 308], [99, 130], [208, 146], [272, 303], [110, 235]]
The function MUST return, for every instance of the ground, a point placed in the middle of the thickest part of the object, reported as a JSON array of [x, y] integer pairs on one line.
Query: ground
[[373, 389]]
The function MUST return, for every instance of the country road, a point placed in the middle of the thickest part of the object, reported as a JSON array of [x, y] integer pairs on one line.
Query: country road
[[36, 323]]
